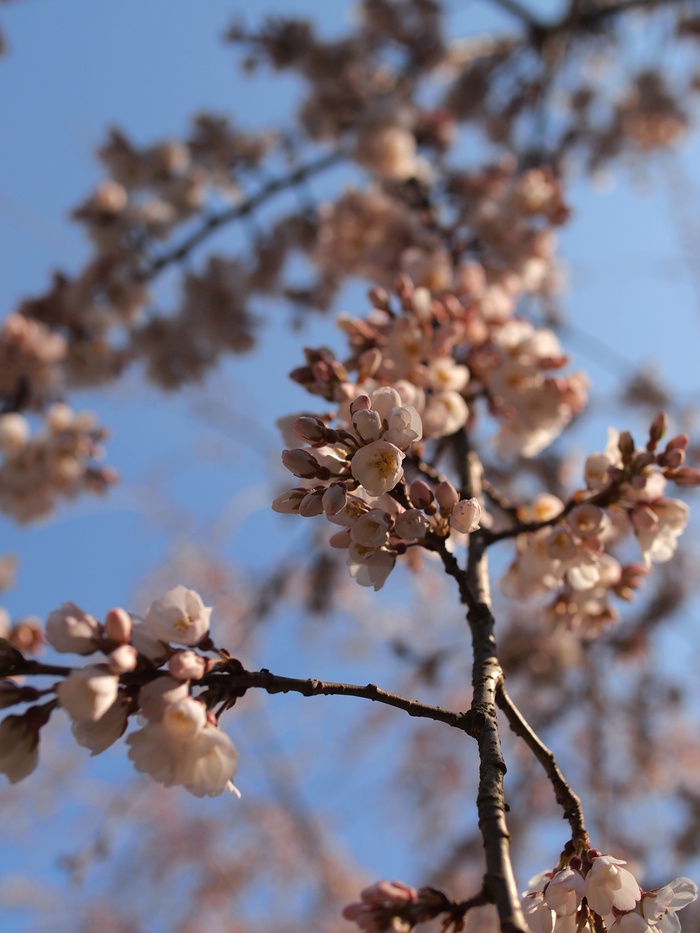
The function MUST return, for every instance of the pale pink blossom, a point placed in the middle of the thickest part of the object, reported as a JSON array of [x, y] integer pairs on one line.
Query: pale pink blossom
[[658, 527], [368, 424], [466, 516], [378, 467], [411, 525], [158, 694], [564, 891], [609, 885], [371, 530], [538, 915], [99, 734], [70, 630], [383, 399], [373, 912], [179, 616], [404, 426], [444, 413], [373, 569], [659, 907], [88, 693], [185, 748]]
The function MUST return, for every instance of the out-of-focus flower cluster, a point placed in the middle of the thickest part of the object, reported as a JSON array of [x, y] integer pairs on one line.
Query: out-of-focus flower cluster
[[571, 554], [151, 669], [57, 462], [591, 884], [397, 908], [409, 379]]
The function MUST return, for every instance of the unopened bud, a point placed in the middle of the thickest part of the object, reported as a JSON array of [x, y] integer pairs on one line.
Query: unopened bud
[[187, 665], [310, 429], [626, 445], [420, 493], [300, 462], [657, 430], [123, 659], [118, 626], [447, 496], [360, 404], [686, 476], [368, 424], [369, 363], [334, 499], [288, 503], [311, 504], [379, 298], [680, 442]]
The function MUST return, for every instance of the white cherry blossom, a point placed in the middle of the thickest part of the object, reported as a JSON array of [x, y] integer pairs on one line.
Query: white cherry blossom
[[88, 693], [378, 467], [179, 616]]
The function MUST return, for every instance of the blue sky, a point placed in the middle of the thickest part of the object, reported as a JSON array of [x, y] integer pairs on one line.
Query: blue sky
[[76, 68]]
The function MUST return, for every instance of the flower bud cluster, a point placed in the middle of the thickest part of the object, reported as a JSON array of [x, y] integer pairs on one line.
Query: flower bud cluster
[[590, 885], [56, 462], [152, 666], [355, 476], [570, 550]]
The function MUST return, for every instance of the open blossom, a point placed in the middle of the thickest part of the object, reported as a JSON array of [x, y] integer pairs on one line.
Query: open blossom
[[609, 885], [372, 567], [88, 693], [404, 426], [184, 747], [100, 734], [659, 907], [378, 467], [71, 630], [180, 616], [371, 530], [658, 526]]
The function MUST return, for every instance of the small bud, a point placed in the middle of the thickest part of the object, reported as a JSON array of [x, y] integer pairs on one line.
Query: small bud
[[447, 496], [288, 503], [118, 626], [379, 298], [123, 659], [334, 499], [420, 493], [626, 445], [686, 476], [311, 504], [187, 665], [680, 442], [657, 430], [300, 462], [361, 403], [310, 429]]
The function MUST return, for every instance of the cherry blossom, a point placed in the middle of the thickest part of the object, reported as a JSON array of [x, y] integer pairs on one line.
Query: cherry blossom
[[179, 616]]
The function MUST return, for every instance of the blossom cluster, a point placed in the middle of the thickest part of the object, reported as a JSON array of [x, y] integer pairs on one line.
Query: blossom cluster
[[568, 899], [570, 552], [355, 476], [152, 667], [57, 462]]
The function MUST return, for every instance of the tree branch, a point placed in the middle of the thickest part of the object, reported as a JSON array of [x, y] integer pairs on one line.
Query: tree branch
[[238, 211], [565, 796], [233, 684]]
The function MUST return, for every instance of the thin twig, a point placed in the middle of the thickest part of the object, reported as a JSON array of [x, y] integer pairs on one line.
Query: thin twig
[[234, 683], [565, 796], [241, 210]]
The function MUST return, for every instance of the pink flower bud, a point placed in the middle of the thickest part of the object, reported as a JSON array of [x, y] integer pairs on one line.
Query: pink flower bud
[[187, 665], [361, 403], [686, 476], [118, 626], [411, 525], [288, 503], [420, 493], [300, 462], [310, 429], [447, 496], [311, 504], [123, 659]]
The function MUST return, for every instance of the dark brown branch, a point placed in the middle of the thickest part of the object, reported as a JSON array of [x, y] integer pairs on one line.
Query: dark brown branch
[[239, 211], [234, 683], [565, 796], [482, 720]]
